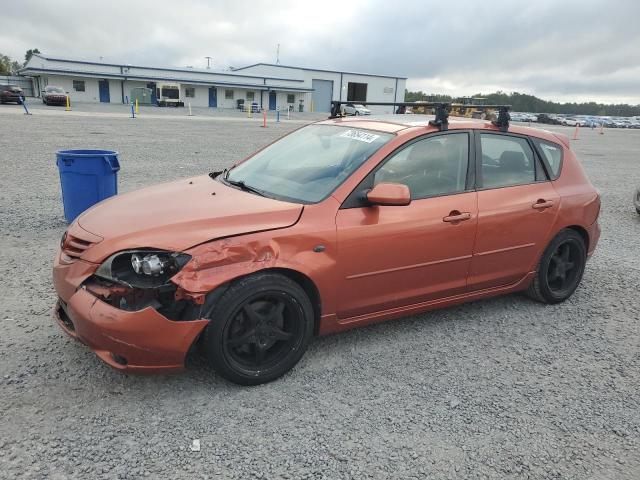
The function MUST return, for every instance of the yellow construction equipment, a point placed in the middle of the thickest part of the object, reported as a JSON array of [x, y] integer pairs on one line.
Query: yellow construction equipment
[[471, 107]]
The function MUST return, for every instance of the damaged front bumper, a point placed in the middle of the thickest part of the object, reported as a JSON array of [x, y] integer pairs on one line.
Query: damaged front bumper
[[143, 341]]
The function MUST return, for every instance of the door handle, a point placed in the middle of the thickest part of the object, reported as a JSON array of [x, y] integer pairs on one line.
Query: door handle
[[542, 204], [455, 216]]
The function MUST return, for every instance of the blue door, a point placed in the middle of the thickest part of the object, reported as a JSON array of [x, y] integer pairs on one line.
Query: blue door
[[154, 98], [213, 97], [103, 88], [272, 100]]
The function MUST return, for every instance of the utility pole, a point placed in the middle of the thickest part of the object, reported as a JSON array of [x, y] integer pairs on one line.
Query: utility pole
[[278, 55], [208, 62]]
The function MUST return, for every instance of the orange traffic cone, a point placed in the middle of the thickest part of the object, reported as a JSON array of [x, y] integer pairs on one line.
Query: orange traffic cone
[[575, 133]]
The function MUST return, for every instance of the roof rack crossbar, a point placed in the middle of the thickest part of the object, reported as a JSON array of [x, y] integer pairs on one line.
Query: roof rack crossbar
[[441, 109]]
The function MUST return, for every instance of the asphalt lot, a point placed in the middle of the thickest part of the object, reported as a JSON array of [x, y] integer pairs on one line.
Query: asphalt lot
[[501, 388]]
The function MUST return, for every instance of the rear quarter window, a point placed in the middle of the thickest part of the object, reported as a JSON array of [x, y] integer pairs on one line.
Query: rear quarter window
[[552, 155]]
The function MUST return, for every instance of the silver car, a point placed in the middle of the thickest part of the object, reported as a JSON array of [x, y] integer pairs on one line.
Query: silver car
[[356, 109]]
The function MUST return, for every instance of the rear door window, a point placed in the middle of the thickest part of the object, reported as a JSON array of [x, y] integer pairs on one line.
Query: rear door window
[[506, 161]]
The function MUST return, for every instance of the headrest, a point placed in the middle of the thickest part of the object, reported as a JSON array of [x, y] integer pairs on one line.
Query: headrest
[[513, 161]]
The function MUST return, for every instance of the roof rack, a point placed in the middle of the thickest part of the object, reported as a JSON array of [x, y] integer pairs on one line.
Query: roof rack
[[440, 109]]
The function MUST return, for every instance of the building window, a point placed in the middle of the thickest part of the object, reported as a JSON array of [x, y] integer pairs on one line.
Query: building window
[[190, 92], [291, 98], [356, 92], [251, 96], [78, 85], [228, 94]]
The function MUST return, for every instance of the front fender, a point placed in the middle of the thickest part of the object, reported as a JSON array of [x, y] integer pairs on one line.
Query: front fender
[[216, 263]]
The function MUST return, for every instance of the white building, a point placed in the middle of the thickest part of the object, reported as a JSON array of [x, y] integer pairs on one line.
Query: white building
[[271, 86]]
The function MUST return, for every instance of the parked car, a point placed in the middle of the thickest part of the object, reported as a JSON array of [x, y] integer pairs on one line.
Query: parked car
[[636, 200], [339, 224], [569, 122], [52, 95], [548, 119], [404, 110], [11, 93], [356, 109]]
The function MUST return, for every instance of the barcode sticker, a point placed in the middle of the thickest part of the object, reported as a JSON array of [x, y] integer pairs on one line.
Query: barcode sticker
[[361, 136]]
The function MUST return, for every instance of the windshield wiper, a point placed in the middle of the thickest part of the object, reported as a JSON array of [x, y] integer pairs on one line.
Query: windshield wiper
[[247, 188]]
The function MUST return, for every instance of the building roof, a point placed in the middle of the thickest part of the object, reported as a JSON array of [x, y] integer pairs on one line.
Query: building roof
[[319, 70], [166, 69], [42, 64]]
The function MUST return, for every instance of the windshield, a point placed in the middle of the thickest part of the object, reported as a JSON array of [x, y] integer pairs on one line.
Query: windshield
[[307, 165], [171, 92], [54, 90]]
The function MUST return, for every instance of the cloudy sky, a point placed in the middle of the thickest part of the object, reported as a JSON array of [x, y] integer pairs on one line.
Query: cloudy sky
[[559, 50]]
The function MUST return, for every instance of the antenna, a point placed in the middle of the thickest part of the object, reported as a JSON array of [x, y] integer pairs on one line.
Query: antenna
[[208, 62], [278, 55]]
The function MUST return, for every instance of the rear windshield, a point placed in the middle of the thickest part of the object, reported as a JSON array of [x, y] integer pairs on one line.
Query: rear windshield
[[54, 90]]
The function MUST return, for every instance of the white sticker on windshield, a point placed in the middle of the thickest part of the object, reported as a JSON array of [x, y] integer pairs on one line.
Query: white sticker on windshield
[[361, 136]]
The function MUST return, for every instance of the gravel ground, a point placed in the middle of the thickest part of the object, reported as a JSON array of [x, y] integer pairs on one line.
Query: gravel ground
[[501, 388]]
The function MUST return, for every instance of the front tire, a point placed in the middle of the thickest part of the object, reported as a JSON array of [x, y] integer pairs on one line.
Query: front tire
[[560, 268], [259, 330]]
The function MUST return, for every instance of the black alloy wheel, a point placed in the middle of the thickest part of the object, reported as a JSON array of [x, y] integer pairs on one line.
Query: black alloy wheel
[[262, 331], [260, 328], [560, 269]]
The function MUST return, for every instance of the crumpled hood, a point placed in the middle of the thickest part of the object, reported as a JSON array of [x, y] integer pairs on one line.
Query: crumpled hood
[[178, 215]]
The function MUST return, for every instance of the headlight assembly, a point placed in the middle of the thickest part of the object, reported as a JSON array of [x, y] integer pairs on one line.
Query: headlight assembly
[[142, 268]]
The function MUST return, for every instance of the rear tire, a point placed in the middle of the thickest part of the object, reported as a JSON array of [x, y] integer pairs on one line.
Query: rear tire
[[560, 268], [259, 330]]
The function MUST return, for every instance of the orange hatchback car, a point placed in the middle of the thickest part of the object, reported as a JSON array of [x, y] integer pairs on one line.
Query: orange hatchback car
[[341, 223]]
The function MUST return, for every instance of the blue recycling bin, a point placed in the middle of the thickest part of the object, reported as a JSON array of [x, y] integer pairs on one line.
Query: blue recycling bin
[[86, 177]]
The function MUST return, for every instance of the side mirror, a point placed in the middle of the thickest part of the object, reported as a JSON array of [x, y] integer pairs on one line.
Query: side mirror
[[389, 194]]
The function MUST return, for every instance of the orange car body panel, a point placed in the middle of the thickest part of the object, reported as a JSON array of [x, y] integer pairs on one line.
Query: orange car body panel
[[367, 264]]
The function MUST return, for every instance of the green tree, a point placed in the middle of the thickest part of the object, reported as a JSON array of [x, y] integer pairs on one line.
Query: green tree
[[5, 65], [522, 102], [30, 53]]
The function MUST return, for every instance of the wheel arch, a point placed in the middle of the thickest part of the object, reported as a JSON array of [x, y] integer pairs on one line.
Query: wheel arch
[[309, 288], [303, 280], [583, 233]]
